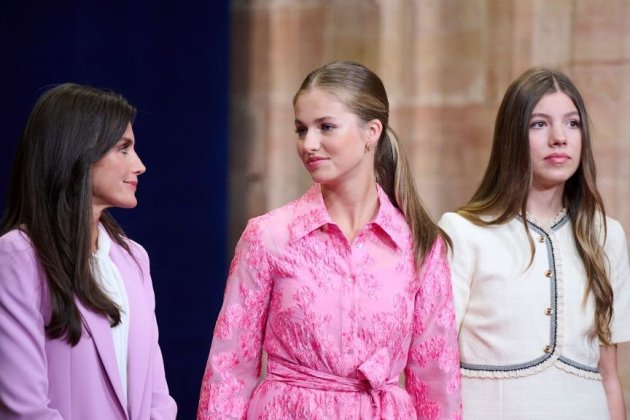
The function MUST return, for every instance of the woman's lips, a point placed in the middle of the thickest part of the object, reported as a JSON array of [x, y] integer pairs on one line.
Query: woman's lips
[[558, 158], [314, 162]]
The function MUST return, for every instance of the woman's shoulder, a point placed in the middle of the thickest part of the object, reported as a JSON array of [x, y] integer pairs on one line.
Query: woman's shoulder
[[268, 225], [479, 231], [16, 241], [452, 218], [456, 221], [135, 248], [136, 253], [614, 226], [19, 264], [308, 202], [615, 234], [284, 223]]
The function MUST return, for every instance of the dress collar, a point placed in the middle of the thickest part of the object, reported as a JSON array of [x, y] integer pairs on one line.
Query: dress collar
[[310, 214]]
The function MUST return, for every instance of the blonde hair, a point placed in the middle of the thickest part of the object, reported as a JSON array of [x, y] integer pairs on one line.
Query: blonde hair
[[363, 92]]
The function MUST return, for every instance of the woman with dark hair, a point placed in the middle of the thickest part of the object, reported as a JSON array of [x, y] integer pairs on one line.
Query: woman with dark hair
[[345, 287], [78, 335], [540, 273]]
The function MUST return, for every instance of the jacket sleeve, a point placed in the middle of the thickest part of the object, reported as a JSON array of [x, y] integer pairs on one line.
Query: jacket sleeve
[[163, 406], [461, 262], [432, 373], [619, 271], [234, 361], [23, 364]]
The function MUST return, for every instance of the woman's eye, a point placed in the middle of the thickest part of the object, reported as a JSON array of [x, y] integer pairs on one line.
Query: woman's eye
[[537, 124], [574, 124], [301, 131], [327, 127]]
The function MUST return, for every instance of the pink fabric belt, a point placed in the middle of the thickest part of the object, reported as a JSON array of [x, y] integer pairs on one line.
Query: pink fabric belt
[[375, 370]]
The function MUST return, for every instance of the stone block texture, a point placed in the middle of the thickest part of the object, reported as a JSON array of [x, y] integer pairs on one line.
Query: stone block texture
[[446, 65]]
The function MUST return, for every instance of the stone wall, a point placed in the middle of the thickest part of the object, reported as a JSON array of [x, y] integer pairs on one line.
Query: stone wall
[[446, 65]]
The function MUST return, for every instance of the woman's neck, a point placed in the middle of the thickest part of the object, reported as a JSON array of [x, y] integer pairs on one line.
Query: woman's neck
[[545, 204], [96, 216], [351, 207]]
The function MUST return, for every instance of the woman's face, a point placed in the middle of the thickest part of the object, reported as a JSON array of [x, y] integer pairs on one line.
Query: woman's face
[[555, 140], [332, 139], [115, 175]]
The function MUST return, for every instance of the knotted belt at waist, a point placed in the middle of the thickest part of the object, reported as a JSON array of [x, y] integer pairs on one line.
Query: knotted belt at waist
[[376, 383]]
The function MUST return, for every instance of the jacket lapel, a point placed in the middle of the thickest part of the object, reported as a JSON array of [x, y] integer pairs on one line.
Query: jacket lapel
[[135, 274], [99, 329]]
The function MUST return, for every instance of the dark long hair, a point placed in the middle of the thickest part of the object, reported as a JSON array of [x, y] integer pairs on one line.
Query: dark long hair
[[50, 195], [364, 94], [503, 191]]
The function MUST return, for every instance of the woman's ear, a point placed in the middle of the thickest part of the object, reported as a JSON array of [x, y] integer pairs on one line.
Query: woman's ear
[[373, 130]]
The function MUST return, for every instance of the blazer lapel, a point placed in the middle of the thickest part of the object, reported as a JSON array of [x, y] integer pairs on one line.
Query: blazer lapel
[[134, 275], [99, 329]]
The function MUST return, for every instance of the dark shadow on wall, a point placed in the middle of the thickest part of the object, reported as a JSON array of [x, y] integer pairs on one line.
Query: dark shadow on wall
[[171, 60]]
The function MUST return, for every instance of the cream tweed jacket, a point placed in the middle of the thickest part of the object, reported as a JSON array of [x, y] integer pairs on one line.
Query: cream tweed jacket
[[517, 315]]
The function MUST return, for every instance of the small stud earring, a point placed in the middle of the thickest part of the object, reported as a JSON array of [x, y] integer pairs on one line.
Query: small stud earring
[[368, 147]]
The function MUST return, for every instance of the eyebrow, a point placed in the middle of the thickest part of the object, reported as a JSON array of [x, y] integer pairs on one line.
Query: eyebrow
[[124, 143], [542, 114], [318, 120]]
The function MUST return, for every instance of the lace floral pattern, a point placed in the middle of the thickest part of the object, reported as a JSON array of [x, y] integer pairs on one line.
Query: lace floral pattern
[[333, 317]]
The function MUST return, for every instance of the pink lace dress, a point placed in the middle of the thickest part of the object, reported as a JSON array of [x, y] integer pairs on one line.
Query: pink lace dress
[[339, 321]]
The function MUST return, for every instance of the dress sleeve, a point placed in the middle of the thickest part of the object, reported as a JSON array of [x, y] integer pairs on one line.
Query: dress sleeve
[[23, 363], [461, 262], [234, 361], [432, 374], [617, 251]]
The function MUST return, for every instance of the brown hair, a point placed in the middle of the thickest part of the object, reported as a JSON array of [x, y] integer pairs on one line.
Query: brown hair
[[504, 189], [363, 92], [50, 195]]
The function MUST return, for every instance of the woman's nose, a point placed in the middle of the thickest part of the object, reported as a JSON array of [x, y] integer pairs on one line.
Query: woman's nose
[[311, 140], [138, 166]]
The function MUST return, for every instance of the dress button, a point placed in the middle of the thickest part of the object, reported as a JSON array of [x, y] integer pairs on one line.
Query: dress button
[[541, 239], [547, 349], [548, 273], [548, 311]]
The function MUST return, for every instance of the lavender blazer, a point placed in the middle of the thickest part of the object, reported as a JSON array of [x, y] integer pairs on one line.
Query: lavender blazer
[[42, 378]]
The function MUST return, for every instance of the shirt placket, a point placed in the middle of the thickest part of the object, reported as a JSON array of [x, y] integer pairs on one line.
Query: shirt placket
[[351, 301]]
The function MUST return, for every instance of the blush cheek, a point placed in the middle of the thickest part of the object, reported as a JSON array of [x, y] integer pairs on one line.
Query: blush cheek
[[300, 153]]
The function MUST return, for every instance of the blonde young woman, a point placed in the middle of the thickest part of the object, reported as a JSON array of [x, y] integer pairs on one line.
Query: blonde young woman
[[540, 273], [345, 287]]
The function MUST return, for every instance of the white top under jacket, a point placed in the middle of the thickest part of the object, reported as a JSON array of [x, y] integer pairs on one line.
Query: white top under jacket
[[111, 281], [516, 319]]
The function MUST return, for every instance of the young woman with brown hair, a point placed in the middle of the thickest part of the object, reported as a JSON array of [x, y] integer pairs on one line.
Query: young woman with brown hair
[[78, 334], [540, 274]]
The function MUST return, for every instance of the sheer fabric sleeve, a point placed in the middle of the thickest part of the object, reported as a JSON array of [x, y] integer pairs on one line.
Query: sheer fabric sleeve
[[234, 361], [432, 374]]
